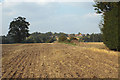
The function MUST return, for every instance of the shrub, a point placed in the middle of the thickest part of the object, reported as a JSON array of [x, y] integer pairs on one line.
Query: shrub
[[62, 38], [73, 38]]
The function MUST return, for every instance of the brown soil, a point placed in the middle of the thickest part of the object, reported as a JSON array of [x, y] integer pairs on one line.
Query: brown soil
[[57, 61]]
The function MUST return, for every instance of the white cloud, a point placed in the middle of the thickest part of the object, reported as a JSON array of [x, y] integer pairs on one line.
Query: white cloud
[[0, 3], [27, 0], [49, 0], [8, 8], [74, 0], [43, 1], [16, 2], [9, 4], [60, 17]]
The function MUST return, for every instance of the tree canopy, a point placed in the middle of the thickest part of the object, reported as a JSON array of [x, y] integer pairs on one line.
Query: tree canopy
[[18, 29], [110, 23]]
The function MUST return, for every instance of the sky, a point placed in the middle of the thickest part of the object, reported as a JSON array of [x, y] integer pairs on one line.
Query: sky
[[67, 17]]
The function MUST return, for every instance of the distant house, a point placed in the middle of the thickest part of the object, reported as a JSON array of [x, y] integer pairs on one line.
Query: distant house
[[77, 35]]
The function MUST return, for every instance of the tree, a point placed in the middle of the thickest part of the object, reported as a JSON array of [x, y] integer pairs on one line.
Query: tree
[[19, 29], [110, 26], [62, 38], [79, 33], [49, 33]]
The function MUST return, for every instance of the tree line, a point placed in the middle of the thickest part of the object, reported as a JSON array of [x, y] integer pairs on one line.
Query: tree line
[[50, 37]]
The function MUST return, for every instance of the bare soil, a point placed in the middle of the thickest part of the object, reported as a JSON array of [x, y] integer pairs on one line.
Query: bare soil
[[56, 60]]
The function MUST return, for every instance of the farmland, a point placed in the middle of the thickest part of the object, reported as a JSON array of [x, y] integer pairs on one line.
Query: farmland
[[58, 60]]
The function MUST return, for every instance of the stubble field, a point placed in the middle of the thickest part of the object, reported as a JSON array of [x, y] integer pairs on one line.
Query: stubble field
[[56, 60]]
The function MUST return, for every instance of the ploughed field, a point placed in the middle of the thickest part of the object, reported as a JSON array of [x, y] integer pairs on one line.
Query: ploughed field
[[58, 60]]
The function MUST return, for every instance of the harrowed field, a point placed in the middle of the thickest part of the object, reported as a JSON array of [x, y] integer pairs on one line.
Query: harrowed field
[[58, 60]]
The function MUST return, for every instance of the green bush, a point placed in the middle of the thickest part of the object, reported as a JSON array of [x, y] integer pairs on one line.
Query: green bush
[[40, 38], [62, 38], [73, 38]]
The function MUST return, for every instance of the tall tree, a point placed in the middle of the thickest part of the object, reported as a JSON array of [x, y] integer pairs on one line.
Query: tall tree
[[19, 29], [110, 25]]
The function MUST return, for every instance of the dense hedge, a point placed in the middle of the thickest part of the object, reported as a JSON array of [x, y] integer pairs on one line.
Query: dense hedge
[[111, 27]]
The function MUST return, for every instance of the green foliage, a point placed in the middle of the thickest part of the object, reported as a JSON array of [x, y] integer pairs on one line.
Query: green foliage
[[95, 38], [81, 40], [79, 33], [119, 26], [19, 29], [6, 39], [110, 25], [30, 39], [72, 38], [50, 40], [101, 7], [35, 37], [49, 33], [40, 38], [59, 34], [62, 38], [3, 39], [91, 38]]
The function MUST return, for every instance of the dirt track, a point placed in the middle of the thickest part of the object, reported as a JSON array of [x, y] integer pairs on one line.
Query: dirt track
[[57, 61]]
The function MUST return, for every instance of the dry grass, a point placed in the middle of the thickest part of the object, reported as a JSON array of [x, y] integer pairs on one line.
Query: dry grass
[[98, 45]]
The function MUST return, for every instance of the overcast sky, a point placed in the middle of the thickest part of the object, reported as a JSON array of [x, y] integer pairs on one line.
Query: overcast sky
[[68, 17]]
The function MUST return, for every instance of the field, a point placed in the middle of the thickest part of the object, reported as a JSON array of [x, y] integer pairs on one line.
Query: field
[[58, 60]]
